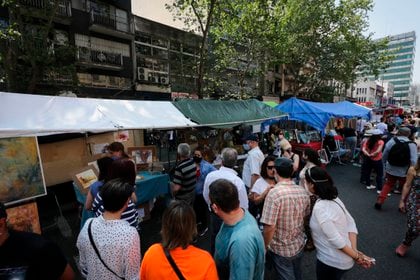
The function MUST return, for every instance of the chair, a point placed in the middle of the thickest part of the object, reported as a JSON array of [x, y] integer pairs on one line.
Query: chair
[[337, 152], [323, 156]]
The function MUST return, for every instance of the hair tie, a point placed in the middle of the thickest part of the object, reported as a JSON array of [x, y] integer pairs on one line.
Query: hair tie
[[316, 181]]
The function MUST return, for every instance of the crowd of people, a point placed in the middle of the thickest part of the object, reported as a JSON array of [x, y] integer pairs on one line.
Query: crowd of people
[[260, 222]]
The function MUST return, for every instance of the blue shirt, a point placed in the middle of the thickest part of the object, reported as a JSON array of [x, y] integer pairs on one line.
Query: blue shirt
[[205, 168], [240, 250], [94, 188]]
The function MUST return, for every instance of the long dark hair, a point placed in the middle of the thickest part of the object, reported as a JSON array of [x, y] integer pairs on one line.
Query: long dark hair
[[323, 184], [372, 141], [312, 156], [264, 166]]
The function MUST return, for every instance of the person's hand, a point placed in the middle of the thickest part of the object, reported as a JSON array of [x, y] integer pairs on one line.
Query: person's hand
[[365, 261], [401, 206]]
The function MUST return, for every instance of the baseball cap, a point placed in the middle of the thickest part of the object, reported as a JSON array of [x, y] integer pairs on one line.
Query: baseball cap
[[252, 137], [283, 162]]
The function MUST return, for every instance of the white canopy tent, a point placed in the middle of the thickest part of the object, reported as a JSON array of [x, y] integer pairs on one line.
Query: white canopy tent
[[35, 115]]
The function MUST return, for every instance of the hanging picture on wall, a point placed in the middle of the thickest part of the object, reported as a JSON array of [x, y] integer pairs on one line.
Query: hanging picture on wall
[[24, 218], [21, 175], [142, 155]]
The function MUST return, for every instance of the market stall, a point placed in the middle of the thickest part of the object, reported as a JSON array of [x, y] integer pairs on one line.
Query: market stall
[[317, 115]]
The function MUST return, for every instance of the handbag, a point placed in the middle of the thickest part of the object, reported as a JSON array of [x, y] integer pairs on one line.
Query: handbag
[[173, 264], [97, 252]]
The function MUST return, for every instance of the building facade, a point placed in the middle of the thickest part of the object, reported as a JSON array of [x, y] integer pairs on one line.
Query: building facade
[[400, 70]]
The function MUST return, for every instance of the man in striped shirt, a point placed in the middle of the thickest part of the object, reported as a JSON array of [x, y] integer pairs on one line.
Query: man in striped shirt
[[185, 179], [285, 209]]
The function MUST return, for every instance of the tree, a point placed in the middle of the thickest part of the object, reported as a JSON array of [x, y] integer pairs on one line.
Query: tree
[[323, 41], [197, 15], [29, 52], [320, 42]]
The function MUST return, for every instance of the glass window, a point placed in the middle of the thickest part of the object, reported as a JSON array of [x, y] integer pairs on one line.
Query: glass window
[[160, 42]]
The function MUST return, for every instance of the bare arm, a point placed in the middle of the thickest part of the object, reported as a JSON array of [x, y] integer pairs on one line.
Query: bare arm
[[268, 234], [258, 198], [89, 201], [406, 188]]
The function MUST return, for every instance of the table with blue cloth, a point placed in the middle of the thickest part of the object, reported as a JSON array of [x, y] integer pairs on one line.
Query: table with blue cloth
[[150, 185]]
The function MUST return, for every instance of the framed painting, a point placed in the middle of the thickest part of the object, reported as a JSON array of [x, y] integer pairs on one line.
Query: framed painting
[[21, 175], [85, 177], [142, 155], [24, 217]]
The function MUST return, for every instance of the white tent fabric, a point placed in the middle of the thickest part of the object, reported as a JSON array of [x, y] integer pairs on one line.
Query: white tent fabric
[[35, 115]]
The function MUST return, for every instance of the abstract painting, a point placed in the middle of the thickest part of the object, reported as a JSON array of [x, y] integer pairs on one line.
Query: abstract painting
[[24, 218], [21, 175]]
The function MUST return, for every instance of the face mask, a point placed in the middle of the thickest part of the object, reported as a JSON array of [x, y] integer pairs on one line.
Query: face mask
[[246, 147], [197, 159]]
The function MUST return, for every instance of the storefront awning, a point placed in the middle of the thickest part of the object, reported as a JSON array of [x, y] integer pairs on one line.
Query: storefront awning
[[35, 115], [226, 113]]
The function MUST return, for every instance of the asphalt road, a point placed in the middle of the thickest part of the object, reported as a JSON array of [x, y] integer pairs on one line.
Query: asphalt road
[[380, 232]]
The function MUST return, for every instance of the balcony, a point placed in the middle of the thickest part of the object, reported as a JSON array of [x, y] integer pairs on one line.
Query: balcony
[[99, 59], [63, 9], [111, 25]]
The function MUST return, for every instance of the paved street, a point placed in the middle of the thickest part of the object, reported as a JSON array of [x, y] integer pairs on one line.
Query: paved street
[[379, 232]]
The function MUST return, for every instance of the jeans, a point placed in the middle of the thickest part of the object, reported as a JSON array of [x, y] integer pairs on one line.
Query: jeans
[[326, 272], [285, 268], [378, 167], [389, 184], [351, 144]]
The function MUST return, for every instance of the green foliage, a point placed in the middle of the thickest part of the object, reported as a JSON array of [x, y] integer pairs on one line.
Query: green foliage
[[321, 42]]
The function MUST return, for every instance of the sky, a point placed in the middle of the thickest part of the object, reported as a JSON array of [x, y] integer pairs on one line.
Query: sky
[[391, 17]]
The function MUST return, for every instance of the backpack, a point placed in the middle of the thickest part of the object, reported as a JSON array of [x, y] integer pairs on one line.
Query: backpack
[[399, 155]]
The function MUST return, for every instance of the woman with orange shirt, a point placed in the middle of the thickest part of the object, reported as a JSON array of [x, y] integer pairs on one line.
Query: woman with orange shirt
[[372, 149], [178, 231]]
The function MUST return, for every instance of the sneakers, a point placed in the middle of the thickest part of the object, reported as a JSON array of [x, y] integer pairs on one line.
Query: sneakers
[[371, 187], [378, 206], [379, 192], [401, 250], [396, 191]]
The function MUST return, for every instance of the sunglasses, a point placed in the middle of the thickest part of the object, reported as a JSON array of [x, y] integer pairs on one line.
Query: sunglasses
[[270, 167]]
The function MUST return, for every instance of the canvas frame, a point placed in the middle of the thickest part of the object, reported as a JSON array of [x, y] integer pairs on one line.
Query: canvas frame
[[82, 184]]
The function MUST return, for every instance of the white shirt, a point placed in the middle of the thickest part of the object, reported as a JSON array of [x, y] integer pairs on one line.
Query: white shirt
[[228, 174], [118, 244], [260, 186], [382, 127], [330, 225], [252, 165]]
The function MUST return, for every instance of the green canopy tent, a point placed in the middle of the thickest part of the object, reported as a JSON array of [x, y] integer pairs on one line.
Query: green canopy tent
[[227, 113]]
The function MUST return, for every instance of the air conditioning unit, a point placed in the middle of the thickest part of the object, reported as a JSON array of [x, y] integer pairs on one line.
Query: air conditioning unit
[[164, 79], [142, 74], [153, 77]]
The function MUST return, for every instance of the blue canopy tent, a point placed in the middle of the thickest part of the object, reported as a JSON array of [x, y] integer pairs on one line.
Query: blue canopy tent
[[318, 115]]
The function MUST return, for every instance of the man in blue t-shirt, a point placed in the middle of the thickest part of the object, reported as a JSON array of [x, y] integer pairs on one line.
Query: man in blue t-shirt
[[239, 244]]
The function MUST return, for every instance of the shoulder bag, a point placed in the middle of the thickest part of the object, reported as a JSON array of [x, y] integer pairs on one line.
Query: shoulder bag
[[173, 264], [97, 252]]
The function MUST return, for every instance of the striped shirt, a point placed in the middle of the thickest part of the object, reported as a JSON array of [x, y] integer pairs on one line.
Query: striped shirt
[[286, 207], [185, 176], [130, 213]]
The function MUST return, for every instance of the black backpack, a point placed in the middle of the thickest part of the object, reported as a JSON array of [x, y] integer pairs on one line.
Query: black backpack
[[399, 155]]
